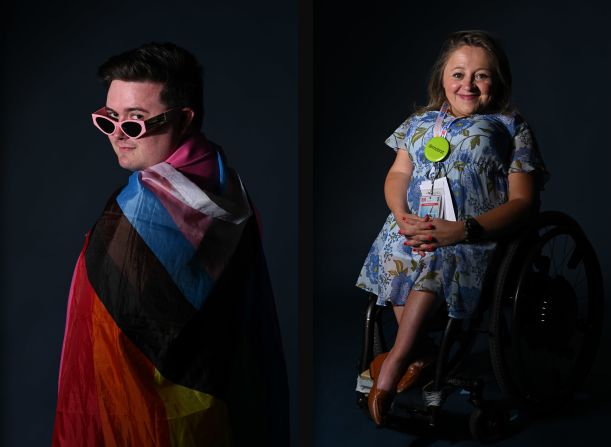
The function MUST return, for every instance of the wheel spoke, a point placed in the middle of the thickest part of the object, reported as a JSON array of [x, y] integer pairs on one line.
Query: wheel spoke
[[565, 255]]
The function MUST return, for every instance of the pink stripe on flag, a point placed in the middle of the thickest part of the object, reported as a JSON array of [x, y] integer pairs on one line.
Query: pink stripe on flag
[[192, 223]]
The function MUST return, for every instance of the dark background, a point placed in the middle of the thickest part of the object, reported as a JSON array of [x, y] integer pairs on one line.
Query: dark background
[[372, 65], [57, 170]]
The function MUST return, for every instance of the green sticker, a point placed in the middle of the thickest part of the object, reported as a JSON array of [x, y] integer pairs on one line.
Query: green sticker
[[436, 149]]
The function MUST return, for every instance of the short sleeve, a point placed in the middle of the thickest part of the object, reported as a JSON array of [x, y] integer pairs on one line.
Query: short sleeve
[[400, 137], [525, 155]]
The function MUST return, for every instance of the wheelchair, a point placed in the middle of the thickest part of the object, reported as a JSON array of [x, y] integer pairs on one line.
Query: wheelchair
[[541, 308]]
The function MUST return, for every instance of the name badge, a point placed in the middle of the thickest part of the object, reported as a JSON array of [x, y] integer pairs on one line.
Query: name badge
[[430, 204]]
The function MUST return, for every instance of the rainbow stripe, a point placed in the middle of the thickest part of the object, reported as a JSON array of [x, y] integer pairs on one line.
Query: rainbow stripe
[[171, 336]]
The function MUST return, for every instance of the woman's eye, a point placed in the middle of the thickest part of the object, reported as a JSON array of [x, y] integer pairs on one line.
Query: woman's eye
[[457, 75], [136, 116], [111, 114], [482, 76]]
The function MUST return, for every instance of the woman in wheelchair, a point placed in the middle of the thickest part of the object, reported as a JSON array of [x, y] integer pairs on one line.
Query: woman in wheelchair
[[467, 170]]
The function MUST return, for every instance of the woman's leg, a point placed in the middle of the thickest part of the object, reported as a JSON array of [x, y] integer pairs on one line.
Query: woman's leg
[[398, 310], [418, 307]]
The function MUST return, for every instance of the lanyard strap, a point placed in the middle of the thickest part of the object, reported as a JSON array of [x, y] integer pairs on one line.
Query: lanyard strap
[[438, 130]]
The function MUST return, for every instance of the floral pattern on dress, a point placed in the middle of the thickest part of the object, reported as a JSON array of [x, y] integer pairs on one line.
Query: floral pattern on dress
[[484, 150]]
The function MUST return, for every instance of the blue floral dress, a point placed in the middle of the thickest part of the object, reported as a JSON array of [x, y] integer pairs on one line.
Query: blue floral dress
[[484, 150]]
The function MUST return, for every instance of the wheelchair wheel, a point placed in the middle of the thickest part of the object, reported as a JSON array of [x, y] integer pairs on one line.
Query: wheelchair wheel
[[546, 314]]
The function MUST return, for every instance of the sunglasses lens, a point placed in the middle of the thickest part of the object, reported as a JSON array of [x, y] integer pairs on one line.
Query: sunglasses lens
[[131, 129], [105, 124]]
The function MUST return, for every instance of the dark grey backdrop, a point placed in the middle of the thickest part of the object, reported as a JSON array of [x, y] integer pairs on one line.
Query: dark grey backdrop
[[372, 64], [57, 170]]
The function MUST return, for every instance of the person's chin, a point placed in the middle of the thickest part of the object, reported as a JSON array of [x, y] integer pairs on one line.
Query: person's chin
[[126, 164], [470, 109]]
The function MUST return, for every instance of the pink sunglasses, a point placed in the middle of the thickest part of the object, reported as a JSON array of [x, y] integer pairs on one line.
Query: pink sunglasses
[[131, 128]]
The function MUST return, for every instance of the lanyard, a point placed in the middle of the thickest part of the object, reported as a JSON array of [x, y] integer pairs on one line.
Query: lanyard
[[438, 130], [438, 147]]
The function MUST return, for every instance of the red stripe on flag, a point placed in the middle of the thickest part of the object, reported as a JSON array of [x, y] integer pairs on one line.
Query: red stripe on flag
[[77, 418]]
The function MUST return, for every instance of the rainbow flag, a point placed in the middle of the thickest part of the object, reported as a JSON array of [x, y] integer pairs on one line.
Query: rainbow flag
[[171, 333]]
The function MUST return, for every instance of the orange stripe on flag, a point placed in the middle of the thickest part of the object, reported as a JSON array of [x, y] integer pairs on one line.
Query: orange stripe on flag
[[131, 411]]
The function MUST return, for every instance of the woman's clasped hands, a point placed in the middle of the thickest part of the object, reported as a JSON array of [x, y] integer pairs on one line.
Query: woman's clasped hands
[[425, 234]]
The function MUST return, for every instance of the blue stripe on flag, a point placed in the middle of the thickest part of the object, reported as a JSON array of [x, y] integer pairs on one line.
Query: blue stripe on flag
[[159, 231]]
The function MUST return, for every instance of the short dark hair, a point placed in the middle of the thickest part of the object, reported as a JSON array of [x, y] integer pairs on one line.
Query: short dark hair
[[501, 87], [166, 63]]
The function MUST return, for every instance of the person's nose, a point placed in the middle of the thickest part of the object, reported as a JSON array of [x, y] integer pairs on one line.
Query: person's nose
[[468, 84], [118, 133]]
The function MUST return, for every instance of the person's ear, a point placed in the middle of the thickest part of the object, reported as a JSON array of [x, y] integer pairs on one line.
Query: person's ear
[[187, 115]]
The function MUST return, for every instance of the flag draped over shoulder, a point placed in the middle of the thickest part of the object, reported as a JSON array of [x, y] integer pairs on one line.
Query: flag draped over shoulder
[[171, 333]]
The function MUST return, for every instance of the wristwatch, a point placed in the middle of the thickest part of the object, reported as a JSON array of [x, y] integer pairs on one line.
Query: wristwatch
[[473, 230]]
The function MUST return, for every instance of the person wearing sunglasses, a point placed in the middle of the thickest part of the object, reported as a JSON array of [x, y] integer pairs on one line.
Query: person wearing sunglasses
[[171, 333]]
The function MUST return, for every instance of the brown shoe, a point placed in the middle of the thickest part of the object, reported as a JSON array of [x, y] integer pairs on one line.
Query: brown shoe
[[410, 376], [413, 373], [376, 365], [379, 403]]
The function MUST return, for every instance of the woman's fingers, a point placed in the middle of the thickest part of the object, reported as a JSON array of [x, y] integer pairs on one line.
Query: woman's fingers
[[412, 230], [419, 241], [411, 224], [414, 218], [420, 238], [421, 248]]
